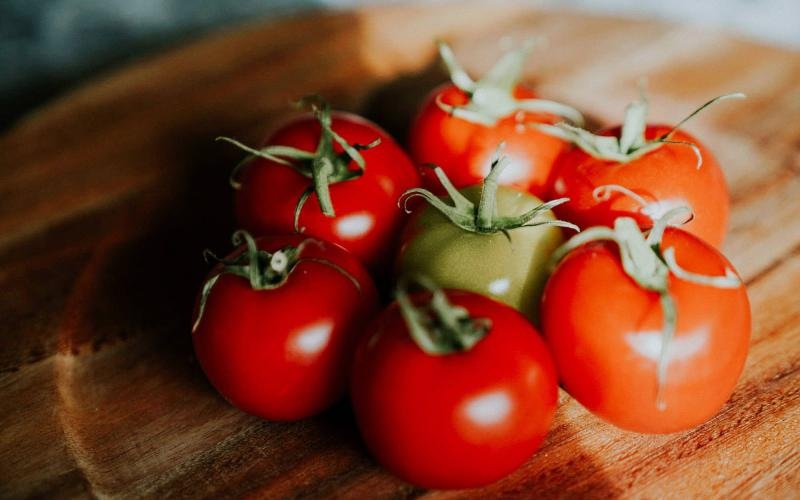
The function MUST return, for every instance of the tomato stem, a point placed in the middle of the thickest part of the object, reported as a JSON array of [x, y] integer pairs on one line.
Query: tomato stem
[[263, 270], [631, 144], [649, 266], [323, 166], [484, 218], [487, 207], [492, 97], [438, 327]]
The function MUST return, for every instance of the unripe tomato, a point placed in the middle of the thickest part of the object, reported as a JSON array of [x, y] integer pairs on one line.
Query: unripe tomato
[[510, 267]]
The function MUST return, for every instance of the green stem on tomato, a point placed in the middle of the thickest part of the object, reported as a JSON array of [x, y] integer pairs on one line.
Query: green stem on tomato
[[438, 327], [631, 144], [322, 166], [262, 270], [483, 219], [492, 97]]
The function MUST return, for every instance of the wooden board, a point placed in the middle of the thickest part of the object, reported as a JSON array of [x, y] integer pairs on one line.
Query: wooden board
[[108, 196]]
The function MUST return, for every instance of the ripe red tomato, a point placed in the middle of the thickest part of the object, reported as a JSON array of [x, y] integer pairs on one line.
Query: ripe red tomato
[[606, 334], [367, 219], [456, 420], [460, 124], [464, 149], [666, 177], [283, 353]]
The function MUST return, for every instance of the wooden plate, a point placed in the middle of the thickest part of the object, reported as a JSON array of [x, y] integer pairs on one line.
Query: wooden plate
[[108, 196]]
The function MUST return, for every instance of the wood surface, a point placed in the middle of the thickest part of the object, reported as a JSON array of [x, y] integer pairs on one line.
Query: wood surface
[[109, 195]]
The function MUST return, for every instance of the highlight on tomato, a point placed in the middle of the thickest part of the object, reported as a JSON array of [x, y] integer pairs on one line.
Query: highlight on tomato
[[651, 169], [492, 240], [460, 123], [649, 331], [452, 389], [276, 323], [333, 176]]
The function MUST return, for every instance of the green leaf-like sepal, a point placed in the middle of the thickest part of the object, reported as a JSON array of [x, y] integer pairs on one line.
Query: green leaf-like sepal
[[322, 166], [492, 98], [631, 144], [439, 327], [262, 270], [483, 218]]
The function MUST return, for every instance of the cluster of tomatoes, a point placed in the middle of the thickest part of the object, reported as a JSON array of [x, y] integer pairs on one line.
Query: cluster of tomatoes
[[637, 314]]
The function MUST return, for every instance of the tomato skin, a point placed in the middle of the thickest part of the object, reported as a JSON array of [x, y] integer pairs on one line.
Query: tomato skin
[[511, 272], [429, 419], [283, 354], [668, 174], [367, 216], [464, 149], [604, 332]]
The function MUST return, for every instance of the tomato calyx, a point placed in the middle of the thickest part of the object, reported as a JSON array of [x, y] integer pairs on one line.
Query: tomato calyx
[[438, 327], [492, 97], [323, 166], [631, 143], [649, 266], [483, 218], [654, 210], [263, 270]]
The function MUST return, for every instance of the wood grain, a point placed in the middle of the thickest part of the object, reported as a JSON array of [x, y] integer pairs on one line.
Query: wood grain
[[108, 196]]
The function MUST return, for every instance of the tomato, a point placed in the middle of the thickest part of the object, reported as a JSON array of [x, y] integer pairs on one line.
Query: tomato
[[282, 352], [460, 419], [460, 124], [361, 213], [667, 175], [614, 347], [506, 263], [665, 178]]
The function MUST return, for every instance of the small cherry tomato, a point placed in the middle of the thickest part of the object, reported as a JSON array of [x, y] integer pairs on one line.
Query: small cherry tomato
[[336, 177], [276, 323], [452, 390], [640, 171], [460, 124], [650, 335]]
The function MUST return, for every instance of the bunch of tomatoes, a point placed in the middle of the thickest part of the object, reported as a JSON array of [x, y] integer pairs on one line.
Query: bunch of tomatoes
[[615, 286]]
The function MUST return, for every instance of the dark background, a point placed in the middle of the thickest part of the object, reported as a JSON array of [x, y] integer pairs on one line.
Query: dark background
[[49, 46]]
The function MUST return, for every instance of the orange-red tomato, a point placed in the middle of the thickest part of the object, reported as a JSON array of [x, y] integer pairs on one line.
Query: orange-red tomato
[[605, 335], [665, 178], [464, 149]]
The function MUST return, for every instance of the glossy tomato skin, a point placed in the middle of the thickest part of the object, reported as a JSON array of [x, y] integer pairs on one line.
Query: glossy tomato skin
[[605, 335], [669, 174], [283, 354], [464, 149], [512, 272], [460, 420], [367, 216]]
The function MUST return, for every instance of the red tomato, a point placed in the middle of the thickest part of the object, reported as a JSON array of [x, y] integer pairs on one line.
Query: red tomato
[[666, 177], [464, 149], [455, 420], [605, 333], [283, 353], [367, 219]]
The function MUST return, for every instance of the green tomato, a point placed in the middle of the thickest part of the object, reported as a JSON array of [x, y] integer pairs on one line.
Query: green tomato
[[512, 272]]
